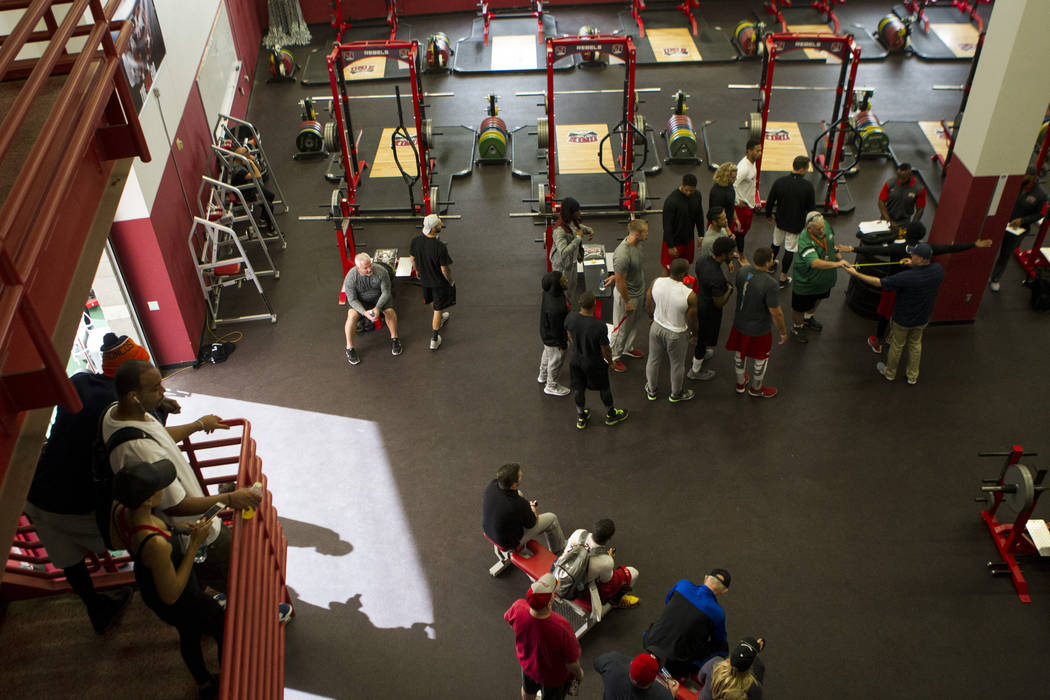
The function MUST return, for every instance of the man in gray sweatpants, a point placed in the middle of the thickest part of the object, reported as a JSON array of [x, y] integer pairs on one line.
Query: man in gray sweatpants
[[673, 307], [629, 293]]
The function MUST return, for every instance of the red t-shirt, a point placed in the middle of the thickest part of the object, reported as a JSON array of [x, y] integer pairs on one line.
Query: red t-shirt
[[544, 645]]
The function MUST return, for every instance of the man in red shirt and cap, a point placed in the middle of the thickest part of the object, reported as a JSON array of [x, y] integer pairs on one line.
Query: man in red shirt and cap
[[547, 648]]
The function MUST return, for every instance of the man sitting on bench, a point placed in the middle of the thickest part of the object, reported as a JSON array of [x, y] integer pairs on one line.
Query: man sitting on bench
[[613, 581], [369, 292], [510, 521], [692, 626]]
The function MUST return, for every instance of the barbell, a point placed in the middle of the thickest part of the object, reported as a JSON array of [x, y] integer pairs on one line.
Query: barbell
[[328, 98], [538, 93], [818, 88]]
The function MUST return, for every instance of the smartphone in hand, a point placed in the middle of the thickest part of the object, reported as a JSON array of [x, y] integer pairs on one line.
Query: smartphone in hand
[[213, 511]]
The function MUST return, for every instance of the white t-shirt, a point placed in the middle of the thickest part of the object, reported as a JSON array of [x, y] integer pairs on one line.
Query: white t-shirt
[[600, 567], [672, 303], [746, 174], [162, 446]]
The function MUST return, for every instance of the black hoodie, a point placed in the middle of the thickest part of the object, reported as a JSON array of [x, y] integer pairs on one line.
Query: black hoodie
[[553, 311]]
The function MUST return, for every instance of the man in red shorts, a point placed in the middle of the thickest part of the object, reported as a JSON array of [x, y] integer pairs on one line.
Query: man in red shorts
[[683, 213], [757, 308], [547, 648]]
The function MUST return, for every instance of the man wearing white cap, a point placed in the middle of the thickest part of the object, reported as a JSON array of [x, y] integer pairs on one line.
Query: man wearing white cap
[[433, 265]]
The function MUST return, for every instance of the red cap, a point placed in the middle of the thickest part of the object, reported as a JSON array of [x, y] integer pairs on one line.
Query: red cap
[[644, 669]]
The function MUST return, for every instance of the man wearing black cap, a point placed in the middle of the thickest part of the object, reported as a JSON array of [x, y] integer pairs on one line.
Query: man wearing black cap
[[916, 290], [912, 233], [1031, 204], [567, 245], [692, 626]]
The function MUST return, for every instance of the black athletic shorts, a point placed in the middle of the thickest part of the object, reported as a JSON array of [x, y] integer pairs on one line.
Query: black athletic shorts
[[532, 687], [589, 376], [441, 297], [807, 302]]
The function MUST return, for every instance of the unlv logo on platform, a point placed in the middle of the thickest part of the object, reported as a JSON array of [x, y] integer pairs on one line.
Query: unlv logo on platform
[[778, 135], [587, 136], [358, 68], [402, 142], [676, 51]]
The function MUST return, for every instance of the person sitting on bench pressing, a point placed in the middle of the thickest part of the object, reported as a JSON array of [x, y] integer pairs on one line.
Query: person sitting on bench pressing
[[369, 293], [510, 521]]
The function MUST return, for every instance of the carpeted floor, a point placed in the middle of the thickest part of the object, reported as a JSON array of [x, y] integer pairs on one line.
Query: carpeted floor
[[843, 508]]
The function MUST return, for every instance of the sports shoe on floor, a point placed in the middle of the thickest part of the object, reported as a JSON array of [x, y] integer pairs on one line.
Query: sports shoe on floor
[[352, 357], [395, 346], [542, 379], [766, 392], [880, 367], [703, 375], [741, 388], [444, 318], [618, 366], [799, 333], [284, 613], [220, 598], [812, 324], [635, 353], [556, 390], [775, 266], [626, 601], [524, 552], [875, 345], [994, 286], [582, 419], [435, 342], [619, 415], [913, 381], [785, 283], [650, 393], [683, 395]]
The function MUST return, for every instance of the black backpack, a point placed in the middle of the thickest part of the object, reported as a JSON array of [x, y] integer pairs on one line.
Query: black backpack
[[102, 473], [1040, 287]]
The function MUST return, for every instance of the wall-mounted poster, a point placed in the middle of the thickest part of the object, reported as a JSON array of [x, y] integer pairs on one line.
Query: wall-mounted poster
[[145, 49]]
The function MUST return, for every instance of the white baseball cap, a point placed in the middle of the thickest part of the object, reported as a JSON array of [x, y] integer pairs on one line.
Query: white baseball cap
[[430, 222]]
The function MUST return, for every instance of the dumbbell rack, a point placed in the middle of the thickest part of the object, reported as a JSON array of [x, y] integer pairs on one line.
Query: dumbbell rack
[[1019, 487]]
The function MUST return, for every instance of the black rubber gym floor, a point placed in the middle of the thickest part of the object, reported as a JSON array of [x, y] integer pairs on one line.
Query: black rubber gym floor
[[843, 507]]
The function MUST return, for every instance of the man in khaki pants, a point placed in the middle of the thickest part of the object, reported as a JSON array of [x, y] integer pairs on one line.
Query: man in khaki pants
[[916, 292]]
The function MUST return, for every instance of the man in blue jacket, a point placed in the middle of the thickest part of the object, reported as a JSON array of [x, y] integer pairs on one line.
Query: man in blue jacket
[[692, 626]]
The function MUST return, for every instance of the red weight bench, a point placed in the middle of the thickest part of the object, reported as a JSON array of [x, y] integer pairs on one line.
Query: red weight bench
[[585, 612], [537, 565]]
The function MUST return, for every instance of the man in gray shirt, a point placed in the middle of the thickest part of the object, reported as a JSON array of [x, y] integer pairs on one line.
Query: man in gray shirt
[[629, 296], [757, 309], [369, 293]]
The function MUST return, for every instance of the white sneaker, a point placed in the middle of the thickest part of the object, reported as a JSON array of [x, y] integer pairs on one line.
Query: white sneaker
[[444, 318], [994, 286], [556, 390], [435, 343], [541, 379]]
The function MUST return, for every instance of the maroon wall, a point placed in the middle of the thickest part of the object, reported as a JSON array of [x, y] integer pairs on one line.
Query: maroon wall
[[320, 10], [962, 217]]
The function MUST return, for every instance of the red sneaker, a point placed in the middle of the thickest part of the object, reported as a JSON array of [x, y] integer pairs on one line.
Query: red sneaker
[[741, 388], [635, 353], [766, 392], [874, 344], [618, 366]]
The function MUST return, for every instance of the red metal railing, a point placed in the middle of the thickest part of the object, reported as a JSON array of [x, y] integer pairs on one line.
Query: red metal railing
[[96, 91], [253, 644]]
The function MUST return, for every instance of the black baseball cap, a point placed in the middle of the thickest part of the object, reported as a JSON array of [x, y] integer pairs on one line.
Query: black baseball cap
[[135, 483], [722, 575]]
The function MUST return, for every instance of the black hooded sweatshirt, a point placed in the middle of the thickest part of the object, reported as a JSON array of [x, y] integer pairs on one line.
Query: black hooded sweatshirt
[[553, 311]]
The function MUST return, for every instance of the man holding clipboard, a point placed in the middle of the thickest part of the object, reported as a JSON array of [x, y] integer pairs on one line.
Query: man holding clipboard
[[1030, 206]]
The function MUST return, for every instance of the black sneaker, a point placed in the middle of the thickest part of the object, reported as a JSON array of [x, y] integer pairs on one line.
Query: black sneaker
[[618, 415], [352, 356], [395, 346], [105, 611], [583, 418], [799, 333], [650, 393], [813, 324], [785, 283]]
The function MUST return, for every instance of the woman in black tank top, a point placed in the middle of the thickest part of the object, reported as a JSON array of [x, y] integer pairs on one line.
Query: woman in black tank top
[[166, 579]]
